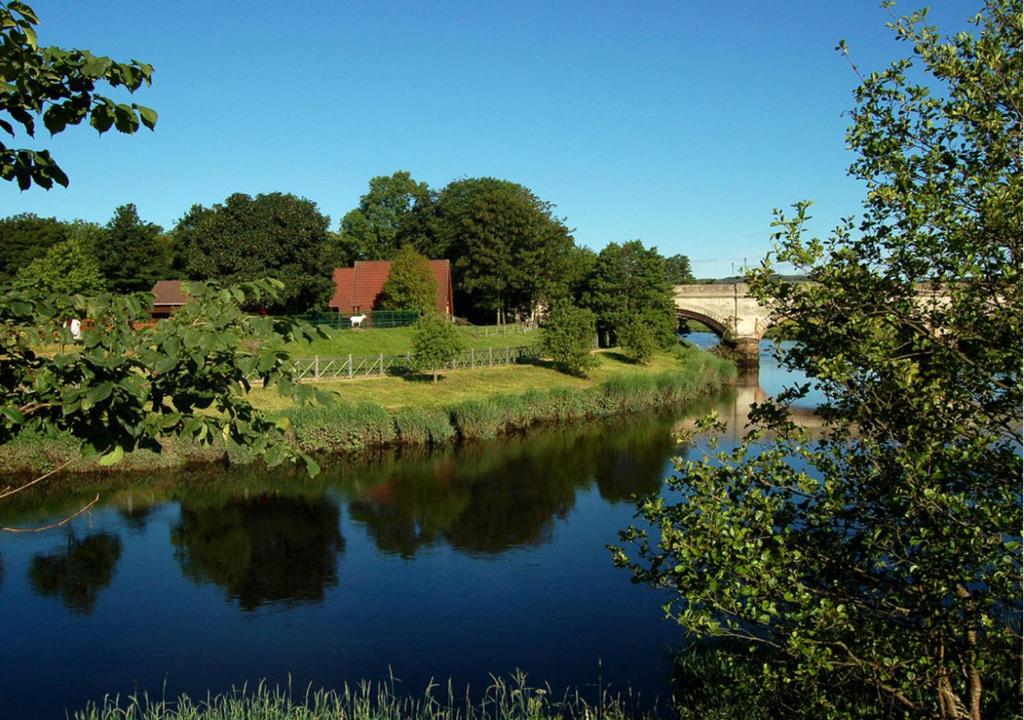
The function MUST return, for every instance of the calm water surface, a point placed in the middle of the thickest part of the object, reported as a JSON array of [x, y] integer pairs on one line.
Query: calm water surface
[[458, 564]]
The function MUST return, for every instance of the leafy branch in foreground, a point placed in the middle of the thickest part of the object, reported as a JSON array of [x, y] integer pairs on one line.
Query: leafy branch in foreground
[[877, 572], [126, 386], [59, 86]]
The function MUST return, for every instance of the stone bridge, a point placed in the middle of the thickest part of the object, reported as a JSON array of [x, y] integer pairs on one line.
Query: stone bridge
[[738, 319], [741, 321]]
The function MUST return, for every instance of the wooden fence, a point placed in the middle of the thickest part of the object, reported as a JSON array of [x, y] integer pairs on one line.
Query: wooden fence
[[347, 367]]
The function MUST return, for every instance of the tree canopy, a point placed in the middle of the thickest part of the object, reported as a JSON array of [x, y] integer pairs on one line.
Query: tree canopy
[[68, 268], [411, 284], [133, 255], [246, 238], [509, 251], [24, 238], [629, 280], [373, 230], [879, 569], [58, 86]]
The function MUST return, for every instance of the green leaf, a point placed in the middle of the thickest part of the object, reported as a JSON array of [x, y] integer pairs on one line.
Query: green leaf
[[113, 457]]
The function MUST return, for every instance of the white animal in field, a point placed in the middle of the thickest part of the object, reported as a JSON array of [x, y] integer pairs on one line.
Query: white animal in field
[[357, 320]]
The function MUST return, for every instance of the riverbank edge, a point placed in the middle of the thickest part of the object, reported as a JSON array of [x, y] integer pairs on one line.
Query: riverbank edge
[[348, 430]]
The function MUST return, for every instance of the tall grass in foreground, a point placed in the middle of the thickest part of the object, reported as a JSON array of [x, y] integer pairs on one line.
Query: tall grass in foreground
[[513, 699]]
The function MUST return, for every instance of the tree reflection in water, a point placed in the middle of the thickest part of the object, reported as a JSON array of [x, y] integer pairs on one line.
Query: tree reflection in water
[[494, 496], [265, 549], [78, 572]]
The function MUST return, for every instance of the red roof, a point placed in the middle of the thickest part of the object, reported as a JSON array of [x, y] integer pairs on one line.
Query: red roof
[[358, 289], [168, 292]]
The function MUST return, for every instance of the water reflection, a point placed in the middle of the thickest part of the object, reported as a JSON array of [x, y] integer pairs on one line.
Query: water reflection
[[264, 549], [495, 496], [77, 573]]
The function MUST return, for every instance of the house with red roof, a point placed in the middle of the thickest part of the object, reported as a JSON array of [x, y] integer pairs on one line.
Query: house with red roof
[[167, 297], [359, 289]]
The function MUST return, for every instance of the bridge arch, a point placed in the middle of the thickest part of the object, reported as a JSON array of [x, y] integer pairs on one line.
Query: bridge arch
[[716, 326]]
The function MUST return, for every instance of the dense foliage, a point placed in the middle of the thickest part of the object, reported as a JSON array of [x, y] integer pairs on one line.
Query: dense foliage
[[378, 227], [411, 284], [629, 280], [246, 238], [509, 253], [58, 86], [435, 343], [125, 387], [879, 570], [567, 337], [133, 255], [636, 339], [67, 269], [24, 238]]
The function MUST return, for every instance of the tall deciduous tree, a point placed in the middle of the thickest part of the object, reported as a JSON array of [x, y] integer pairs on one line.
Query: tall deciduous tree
[[68, 268], [630, 281], [679, 270], [58, 86], [133, 255], [24, 238], [880, 568], [373, 229], [411, 284], [246, 238], [509, 251]]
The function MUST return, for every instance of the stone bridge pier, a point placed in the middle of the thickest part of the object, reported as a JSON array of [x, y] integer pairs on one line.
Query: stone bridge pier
[[738, 319]]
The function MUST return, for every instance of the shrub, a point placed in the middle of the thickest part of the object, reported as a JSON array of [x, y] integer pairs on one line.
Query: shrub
[[636, 339], [435, 343], [568, 336]]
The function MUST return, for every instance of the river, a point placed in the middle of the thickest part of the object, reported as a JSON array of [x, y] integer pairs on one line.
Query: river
[[457, 564]]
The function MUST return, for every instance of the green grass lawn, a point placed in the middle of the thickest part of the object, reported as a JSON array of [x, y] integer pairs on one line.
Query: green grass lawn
[[458, 385], [397, 341]]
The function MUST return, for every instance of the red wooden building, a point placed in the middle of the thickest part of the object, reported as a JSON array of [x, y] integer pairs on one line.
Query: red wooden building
[[167, 297], [358, 289]]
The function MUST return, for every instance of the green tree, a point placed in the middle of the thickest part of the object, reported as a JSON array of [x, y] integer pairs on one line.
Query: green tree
[[58, 86], [435, 343], [510, 254], [631, 280], [24, 238], [134, 254], [411, 284], [373, 229], [881, 566], [246, 238], [679, 271], [68, 268], [567, 337], [636, 339]]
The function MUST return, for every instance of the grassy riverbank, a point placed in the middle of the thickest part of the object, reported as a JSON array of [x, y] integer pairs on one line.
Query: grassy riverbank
[[466, 405], [503, 700]]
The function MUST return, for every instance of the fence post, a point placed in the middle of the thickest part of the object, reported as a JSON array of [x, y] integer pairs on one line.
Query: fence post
[[408, 361], [316, 367], [490, 357], [350, 366], [382, 363], [472, 358]]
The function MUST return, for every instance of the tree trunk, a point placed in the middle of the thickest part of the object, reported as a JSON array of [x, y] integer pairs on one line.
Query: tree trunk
[[435, 377]]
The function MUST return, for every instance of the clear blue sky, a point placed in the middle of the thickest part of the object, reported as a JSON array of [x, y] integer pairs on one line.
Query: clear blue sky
[[679, 123]]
